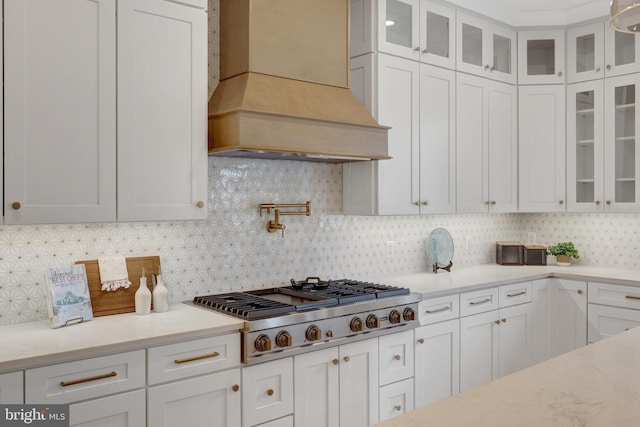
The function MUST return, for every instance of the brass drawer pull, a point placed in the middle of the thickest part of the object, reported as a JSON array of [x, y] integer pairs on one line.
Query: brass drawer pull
[[88, 379], [191, 359], [235, 387], [335, 361], [632, 297], [397, 408], [270, 392], [420, 340], [480, 302], [346, 359], [397, 357], [439, 310], [516, 294]]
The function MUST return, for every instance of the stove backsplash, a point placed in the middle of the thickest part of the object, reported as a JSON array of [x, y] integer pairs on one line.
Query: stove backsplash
[[231, 250]]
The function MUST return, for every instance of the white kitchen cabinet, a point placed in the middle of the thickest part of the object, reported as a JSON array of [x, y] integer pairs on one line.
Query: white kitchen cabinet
[[605, 321], [280, 422], [602, 158], [485, 48], [621, 52], [542, 145], [197, 402], [567, 315], [162, 105], [515, 338], [120, 410], [541, 330], [396, 358], [59, 111], [12, 388], [418, 102], [541, 58], [437, 361], [487, 149], [267, 391], [396, 399], [585, 52], [337, 386], [421, 30]]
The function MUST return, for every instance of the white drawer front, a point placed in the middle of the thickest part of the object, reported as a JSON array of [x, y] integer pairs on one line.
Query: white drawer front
[[607, 321], [396, 399], [439, 309], [396, 355], [267, 391], [478, 301], [517, 293], [615, 295], [196, 357], [85, 379]]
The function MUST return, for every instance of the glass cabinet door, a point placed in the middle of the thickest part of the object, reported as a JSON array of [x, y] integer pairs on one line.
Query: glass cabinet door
[[501, 54], [472, 45], [541, 57], [585, 146], [622, 52], [585, 54], [398, 27], [437, 34], [621, 155]]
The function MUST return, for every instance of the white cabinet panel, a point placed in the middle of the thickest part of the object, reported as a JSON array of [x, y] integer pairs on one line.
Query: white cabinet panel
[[475, 302], [478, 349], [540, 343], [585, 52], [316, 388], [515, 340], [396, 399], [59, 111], [359, 383], [621, 52], [541, 58], [12, 388], [396, 357], [267, 391], [568, 314], [614, 295], [435, 310], [162, 101], [517, 293], [120, 410], [542, 148], [607, 321]]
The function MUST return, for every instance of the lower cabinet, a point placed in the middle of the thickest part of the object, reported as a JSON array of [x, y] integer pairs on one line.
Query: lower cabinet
[[494, 343], [567, 308], [396, 399], [11, 388], [612, 309], [120, 410], [197, 402], [396, 374], [437, 362], [267, 391], [337, 386]]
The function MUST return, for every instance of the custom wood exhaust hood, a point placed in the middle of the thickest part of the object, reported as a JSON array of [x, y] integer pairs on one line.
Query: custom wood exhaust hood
[[284, 85]]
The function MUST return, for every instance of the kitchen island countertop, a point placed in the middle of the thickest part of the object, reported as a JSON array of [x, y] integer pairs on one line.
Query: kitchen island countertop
[[593, 386], [32, 344]]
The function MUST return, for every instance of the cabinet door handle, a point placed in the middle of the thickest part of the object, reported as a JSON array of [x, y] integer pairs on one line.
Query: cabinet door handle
[[559, 73], [417, 203], [438, 310], [579, 291], [597, 202], [88, 379], [346, 359], [270, 392], [397, 408], [420, 340], [608, 66], [480, 302], [335, 361], [561, 202], [517, 294], [417, 49], [16, 205], [598, 69], [191, 359], [235, 387], [397, 357], [504, 320], [200, 204], [497, 322], [487, 67], [608, 202], [634, 297]]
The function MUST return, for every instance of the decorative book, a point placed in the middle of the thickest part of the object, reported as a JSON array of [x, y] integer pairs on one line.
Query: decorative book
[[68, 295]]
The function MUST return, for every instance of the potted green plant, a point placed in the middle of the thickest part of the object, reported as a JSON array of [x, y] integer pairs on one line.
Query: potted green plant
[[563, 252]]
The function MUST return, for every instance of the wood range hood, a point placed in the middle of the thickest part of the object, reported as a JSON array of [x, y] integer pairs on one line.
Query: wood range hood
[[284, 85]]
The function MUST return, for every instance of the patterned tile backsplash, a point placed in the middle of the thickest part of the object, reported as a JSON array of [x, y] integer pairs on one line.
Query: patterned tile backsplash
[[231, 249]]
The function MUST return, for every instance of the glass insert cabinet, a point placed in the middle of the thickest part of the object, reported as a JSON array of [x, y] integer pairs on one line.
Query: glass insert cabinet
[[602, 154]]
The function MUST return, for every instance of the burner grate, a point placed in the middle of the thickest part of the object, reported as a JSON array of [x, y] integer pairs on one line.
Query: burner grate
[[244, 306], [377, 290]]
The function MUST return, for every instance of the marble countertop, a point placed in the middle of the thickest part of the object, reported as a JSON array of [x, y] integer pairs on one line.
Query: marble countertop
[[484, 276], [594, 386], [31, 344]]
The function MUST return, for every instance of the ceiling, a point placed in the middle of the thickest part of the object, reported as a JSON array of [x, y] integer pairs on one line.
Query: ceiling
[[526, 13]]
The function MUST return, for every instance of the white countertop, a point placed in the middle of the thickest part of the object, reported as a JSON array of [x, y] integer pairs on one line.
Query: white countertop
[[478, 277], [31, 344], [594, 386]]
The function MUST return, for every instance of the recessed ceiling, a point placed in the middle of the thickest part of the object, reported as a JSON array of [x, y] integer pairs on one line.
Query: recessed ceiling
[[528, 13]]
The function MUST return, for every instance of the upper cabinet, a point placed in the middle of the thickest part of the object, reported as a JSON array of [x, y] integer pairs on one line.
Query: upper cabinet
[[485, 48], [422, 30], [621, 52], [541, 57], [74, 98]]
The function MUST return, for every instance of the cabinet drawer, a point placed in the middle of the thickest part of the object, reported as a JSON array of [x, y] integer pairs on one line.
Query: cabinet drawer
[[615, 295], [607, 321], [11, 388], [125, 409], [85, 379], [185, 359], [396, 399], [396, 355], [478, 301], [267, 391], [517, 293], [439, 309]]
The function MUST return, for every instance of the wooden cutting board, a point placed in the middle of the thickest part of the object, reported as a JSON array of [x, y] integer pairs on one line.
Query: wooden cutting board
[[121, 300]]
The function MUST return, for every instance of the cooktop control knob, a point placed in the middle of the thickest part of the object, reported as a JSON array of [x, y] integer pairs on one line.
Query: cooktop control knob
[[409, 314], [372, 321], [356, 324], [283, 339], [262, 343], [395, 317], [313, 333]]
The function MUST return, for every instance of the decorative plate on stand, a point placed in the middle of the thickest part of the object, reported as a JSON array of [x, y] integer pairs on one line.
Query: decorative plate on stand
[[440, 250]]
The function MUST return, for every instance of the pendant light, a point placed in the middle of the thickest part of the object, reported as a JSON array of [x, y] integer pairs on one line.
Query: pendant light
[[625, 16]]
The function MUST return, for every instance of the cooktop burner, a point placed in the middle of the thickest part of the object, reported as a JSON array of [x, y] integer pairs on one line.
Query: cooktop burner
[[243, 305]]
